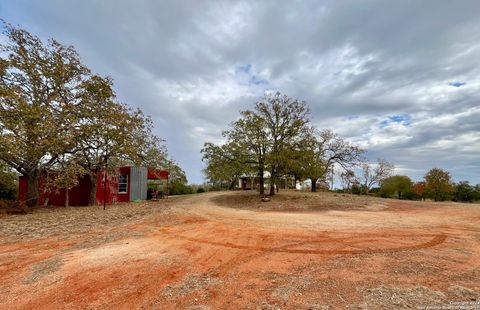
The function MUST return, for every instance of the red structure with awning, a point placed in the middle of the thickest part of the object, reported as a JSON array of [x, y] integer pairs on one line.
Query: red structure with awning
[[157, 174], [119, 187]]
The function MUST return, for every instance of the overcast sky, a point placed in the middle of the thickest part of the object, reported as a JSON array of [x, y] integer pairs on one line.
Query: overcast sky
[[400, 78]]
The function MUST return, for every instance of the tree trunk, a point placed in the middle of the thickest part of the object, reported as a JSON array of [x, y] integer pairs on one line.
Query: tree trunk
[[232, 184], [67, 197], [32, 189], [367, 190], [314, 185], [92, 200], [261, 181], [273, 180]]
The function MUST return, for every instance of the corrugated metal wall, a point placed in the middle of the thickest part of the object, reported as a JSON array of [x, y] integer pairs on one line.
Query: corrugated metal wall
[[138, 183]]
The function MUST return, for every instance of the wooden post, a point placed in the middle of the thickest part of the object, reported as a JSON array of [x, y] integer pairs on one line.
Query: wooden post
[[105, 179]]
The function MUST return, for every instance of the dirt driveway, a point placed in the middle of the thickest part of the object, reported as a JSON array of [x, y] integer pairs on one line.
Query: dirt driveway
[[199, 252]]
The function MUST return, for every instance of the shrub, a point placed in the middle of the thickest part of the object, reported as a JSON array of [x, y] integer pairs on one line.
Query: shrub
[[178, 188], [464, 192], [8, 184]]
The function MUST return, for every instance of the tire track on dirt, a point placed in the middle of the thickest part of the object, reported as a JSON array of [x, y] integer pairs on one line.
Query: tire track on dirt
[[241, 258], [436, 240]]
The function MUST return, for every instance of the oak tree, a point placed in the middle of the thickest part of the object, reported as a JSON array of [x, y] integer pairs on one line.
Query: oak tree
[[39, 84], [327, 149], [438, 184], [285, 119], [251, 141]]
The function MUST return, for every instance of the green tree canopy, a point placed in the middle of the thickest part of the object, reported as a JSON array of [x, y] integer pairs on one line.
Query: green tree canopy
[[224, 164], [466, 192], [397, 185], [438, 184]]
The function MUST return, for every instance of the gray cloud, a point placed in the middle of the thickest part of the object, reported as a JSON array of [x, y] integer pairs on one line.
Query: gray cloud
[[357, 64]]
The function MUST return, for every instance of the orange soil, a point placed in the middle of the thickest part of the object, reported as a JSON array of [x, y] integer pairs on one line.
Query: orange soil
[[210, 256]]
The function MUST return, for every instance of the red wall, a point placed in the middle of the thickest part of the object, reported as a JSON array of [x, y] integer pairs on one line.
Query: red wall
[[111, 190], [22, 188], [79, 195]]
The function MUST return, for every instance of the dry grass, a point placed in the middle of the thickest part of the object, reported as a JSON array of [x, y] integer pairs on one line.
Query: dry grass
[[291, 200], [384, 297], [419, 297], [192, 283], [44, 268], [63, 222]]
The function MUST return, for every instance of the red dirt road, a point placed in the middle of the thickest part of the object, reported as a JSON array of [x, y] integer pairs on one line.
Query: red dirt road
[[200, 255]]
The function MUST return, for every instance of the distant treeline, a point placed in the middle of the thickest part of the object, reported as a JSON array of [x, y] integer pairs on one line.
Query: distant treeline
[[437, 185]]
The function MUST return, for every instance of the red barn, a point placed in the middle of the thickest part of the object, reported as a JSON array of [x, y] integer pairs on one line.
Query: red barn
[[128, 184]]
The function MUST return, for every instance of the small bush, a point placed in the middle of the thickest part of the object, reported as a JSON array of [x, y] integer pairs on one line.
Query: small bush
[[8, 185], [177, 188], [7, 193]]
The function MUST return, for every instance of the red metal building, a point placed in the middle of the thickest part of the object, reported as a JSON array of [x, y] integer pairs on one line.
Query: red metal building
[[129, 184]]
